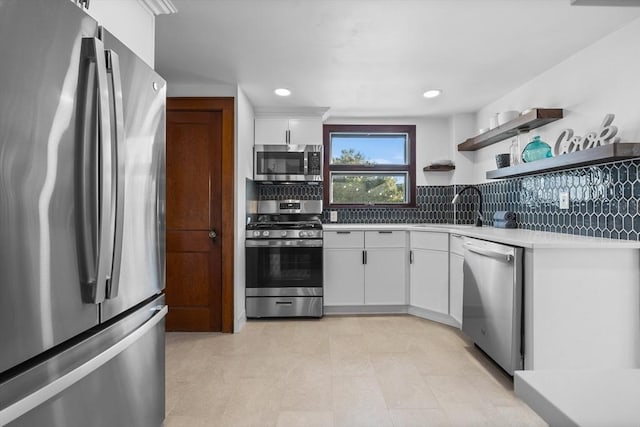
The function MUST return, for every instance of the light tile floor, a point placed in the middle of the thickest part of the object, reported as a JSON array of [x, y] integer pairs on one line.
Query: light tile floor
[[337, 371]]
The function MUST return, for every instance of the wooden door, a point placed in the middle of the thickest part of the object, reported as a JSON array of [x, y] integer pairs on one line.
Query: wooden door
[[195, 222]]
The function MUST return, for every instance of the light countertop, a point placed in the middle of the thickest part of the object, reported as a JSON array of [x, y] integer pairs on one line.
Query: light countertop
[[516, 237], [586, 398]]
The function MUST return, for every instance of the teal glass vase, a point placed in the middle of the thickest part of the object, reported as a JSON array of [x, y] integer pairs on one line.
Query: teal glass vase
[[536, 150]]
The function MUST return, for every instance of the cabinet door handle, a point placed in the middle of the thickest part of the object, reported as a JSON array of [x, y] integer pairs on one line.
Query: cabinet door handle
[[410, 257], [344, 232], [364, 257], [385, 232], [287, 136]]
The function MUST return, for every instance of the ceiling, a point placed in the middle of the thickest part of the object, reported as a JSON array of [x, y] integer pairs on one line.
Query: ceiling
[[375, 58]]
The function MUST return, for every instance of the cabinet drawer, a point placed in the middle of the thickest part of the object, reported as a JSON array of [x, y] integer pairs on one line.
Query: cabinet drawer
[[343, 239], [386, 239], [430, 240]]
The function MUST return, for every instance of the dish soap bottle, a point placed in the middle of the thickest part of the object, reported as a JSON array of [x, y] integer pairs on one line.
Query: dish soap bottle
[[536, 150]]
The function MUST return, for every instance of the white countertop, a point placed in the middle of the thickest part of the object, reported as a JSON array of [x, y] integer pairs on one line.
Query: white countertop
[[587, 398], [516, 237]]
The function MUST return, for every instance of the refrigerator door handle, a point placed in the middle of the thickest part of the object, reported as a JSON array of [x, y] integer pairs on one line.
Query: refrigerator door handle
[[106, 178], [118, 170], [56, 387], [95, 226]]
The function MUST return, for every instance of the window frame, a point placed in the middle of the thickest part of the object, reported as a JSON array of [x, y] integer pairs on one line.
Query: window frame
[[410, 168]]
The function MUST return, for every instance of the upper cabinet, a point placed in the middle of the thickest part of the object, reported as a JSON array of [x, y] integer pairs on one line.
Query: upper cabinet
[[524, 123], [132, 22], [288, 130], [271, 130]]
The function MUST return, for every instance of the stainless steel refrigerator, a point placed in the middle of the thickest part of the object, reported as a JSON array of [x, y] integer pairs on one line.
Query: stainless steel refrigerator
[[82, 230]]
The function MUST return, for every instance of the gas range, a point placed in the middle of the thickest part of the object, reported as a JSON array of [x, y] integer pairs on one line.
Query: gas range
[[284, 265], [273, 229], [287, 219]]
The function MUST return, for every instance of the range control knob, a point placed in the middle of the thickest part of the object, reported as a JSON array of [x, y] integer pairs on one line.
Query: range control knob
[[303, 234], [265, 233], [256, 233], [283, 233]]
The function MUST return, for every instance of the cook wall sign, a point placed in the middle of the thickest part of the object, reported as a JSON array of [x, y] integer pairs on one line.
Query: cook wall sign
[[568, 143]]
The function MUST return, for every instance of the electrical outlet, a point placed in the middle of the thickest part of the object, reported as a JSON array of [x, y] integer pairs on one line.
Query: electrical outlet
[[564, 200], [333, 216]]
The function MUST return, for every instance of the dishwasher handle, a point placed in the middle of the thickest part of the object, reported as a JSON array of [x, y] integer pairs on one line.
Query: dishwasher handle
[[489, 253]]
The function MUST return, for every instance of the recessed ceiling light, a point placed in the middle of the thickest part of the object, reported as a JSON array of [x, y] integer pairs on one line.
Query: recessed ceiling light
[[432, 93], [282, 92]]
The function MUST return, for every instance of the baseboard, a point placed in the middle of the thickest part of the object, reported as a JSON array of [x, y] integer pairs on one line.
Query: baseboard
[[391, 309], [241, 320], [432, 315], [365, 309]]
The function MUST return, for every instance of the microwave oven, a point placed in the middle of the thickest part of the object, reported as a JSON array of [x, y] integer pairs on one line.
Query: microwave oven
[[287, 163]]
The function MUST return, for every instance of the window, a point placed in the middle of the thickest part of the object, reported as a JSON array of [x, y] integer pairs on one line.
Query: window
[[369, 165]]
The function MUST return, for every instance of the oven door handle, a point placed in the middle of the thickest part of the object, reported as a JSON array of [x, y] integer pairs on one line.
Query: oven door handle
[[307, 243]]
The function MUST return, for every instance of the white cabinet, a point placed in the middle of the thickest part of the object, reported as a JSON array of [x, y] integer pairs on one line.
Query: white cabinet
[[365, 268], [132, 22], [305, 130], [271, 130], [385, 269], [343, 268], [283, 130], [429, 279], [456, 264]]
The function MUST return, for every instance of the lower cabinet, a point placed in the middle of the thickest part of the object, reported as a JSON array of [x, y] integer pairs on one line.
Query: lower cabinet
[[385, 277], [365, 268], [395, 268], [429, 282], [343, 276]]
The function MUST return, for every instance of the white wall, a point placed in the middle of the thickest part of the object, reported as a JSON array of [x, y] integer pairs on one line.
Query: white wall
[[460, 126], [602, 78], [179, 89], [244, 169], [131, 22], [433, 142]]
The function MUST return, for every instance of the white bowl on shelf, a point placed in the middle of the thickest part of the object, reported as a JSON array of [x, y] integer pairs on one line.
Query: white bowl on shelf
[[506, 116]]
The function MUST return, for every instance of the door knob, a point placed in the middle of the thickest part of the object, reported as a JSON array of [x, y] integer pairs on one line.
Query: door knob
[[213, 234]]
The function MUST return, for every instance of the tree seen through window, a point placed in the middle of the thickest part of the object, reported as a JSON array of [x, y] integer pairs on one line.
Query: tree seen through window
[[365, 189]]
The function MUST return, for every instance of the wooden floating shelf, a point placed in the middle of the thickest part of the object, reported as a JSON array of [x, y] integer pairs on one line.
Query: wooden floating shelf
[[533, 119], [438, 168], [592, 156]]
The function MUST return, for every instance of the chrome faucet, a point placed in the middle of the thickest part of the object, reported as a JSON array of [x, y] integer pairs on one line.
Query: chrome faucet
[[471, 187]]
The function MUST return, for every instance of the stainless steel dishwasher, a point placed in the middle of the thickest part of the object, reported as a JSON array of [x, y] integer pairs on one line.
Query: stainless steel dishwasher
[[492, 300]]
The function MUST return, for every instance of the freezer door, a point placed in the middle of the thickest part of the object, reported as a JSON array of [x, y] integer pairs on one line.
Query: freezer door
[[41, 136], [142, 210], [114, 377]]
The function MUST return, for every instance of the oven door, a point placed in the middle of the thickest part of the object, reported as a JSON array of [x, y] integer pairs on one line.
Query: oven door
[[284, 267]]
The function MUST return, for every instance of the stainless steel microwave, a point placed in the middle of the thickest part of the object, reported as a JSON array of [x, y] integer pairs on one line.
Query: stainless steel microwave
[[285, 163]]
